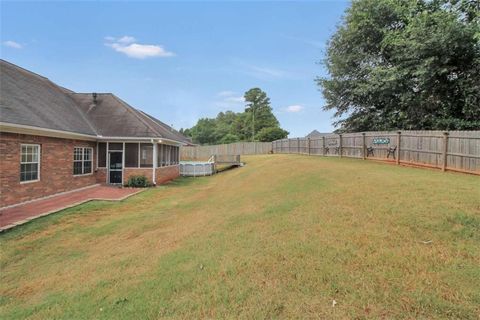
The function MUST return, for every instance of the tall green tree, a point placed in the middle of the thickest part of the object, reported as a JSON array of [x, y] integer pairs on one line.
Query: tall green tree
[[412, 64], [230, 127], [259, 111]]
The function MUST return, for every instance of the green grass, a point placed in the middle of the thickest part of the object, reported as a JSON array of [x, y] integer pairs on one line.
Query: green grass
[[282, 237]]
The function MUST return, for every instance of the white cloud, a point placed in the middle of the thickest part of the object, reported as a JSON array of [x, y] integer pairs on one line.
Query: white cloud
[[126, 40], [225, 93], [127, 46], [228, 100], [294, 108], [235, 99], [314, 43], [265, 73], [12, 44]]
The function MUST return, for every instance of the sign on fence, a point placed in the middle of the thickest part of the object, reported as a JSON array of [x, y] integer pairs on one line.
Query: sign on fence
[[381, 140]]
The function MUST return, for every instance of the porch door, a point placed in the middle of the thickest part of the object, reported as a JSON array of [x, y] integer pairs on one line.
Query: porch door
[[115, 167]]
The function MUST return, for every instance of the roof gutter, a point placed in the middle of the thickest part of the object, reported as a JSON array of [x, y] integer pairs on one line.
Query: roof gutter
[[159, 140], [31, 130]]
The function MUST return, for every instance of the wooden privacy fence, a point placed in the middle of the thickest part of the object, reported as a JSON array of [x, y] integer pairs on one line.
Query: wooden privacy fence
[[237, 148], [453, 150]]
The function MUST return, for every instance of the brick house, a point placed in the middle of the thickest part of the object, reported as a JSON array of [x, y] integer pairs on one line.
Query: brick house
[[54, 140]]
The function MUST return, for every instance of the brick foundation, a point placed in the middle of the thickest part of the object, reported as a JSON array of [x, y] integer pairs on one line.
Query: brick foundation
[[165, 174], [162, 174], [56, 168], [128, 172]]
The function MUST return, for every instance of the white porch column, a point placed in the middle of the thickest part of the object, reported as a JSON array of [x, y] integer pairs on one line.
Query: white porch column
[[155, 162]]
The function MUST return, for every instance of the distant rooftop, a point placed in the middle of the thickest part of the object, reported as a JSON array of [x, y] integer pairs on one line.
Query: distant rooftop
[[316, 134]]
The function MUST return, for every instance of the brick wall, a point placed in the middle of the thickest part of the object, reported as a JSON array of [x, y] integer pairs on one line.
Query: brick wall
[[128, 172], [162, 174], [56, 168], [165, 174], [101, 175]]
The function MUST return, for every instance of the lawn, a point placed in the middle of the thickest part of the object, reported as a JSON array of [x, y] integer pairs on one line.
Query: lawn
[[282, 237]]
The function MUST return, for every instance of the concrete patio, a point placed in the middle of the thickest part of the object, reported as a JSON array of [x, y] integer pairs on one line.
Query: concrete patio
[[20, 214]]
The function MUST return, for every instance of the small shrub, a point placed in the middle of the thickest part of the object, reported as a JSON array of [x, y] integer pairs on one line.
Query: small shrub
[[138, 182]]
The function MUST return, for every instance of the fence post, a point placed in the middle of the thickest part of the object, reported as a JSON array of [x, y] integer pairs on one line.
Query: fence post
[[364, 144], [323, 143], [298, 145], [445, 150], [340, 146], [398, 146], [289, 147], [308, 144]]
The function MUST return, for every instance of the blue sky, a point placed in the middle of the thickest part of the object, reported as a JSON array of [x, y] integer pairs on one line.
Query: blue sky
[[181, 61]]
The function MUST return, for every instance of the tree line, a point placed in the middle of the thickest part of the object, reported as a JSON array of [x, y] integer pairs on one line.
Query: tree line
[[256, 123]]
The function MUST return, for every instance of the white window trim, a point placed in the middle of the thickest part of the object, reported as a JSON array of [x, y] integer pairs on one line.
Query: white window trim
[[39, 160], [83, 161]]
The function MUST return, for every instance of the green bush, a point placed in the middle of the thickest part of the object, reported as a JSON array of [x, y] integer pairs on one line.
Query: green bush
[[138, 182]]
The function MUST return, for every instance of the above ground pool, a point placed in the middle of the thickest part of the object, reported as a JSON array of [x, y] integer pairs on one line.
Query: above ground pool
[[196, 168]]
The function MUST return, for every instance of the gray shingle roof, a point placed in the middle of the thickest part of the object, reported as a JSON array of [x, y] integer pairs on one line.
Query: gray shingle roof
[[113, 117], [30, 99]]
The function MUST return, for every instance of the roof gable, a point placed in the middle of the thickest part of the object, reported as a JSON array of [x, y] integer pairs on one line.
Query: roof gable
[[29, 99], [32, 100]]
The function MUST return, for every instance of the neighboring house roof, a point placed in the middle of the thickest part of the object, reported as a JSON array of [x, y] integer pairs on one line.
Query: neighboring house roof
[[316, 134], [30, 99]]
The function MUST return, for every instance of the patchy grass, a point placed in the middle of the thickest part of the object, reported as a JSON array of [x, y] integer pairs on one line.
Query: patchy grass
[[282, 237]]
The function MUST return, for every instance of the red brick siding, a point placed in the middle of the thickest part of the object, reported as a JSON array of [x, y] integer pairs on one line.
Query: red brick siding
[[162, 174], [165, 174], [56, 168], [128, 172], [101, 175]]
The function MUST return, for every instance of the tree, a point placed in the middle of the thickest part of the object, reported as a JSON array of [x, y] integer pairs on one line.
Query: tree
[[204, 131], [229, 138], [259, 111], [405, 65], [230, 127], [271, 134]]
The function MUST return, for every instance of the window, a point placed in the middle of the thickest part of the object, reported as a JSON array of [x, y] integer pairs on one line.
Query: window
[[102, 154], [146, 155], [30, 162], [131, 155], [82, 161]]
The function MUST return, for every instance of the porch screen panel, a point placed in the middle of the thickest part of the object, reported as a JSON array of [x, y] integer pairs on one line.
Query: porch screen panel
[[146, 155], [102, 155], [160, 155], [175, 155], [169, 154], [131, 155], [115, 146]]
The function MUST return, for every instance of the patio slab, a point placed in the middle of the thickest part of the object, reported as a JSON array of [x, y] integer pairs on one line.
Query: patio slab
[[17, 215]]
